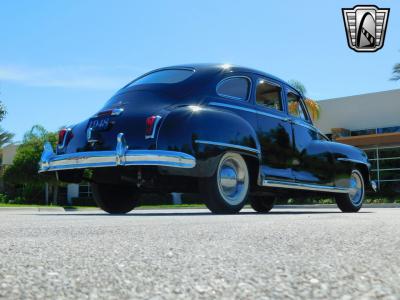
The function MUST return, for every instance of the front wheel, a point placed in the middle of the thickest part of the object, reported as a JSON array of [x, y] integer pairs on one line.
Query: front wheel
[[352, 201], [115, 199], [226, 191]]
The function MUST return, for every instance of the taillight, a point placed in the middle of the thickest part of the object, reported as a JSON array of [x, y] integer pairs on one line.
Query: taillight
[[61, 135], [151, 126], [64, 136]]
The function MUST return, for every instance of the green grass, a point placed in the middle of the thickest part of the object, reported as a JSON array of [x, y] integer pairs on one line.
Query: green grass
[[25, 205]]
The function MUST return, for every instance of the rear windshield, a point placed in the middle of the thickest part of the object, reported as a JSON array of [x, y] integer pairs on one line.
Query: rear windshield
[[163, 76]]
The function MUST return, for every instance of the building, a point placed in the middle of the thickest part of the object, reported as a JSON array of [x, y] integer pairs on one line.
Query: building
[[372, 123], [7, 154]]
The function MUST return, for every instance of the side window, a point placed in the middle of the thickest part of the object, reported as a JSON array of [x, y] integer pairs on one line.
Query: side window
[[269, 95], [295, 107], [235, 87]]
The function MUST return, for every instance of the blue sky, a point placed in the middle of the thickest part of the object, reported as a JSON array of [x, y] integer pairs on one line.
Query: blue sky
[[61, 60]]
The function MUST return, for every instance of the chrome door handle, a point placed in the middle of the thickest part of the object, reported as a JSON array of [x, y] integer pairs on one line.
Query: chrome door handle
[[288, 120]]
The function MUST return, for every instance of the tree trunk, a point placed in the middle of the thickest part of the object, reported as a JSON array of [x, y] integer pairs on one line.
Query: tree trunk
[[55, 194]]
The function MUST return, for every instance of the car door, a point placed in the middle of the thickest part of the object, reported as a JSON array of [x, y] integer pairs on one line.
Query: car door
[[274, 131], [313, 161]]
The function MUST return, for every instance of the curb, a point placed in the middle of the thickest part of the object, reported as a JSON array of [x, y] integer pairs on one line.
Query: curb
[[377, 205], [38, 209]]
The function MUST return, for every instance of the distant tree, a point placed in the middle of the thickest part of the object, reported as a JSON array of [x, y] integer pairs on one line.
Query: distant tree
[[3, 111], [396, 72], [25, 167], [312, 105], [5, 137]]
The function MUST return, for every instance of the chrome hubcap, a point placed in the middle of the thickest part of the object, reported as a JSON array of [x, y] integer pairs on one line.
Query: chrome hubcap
[[356, 191], [233, 178]]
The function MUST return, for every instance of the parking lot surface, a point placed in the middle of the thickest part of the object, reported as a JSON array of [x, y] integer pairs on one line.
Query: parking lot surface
[[181, 254]]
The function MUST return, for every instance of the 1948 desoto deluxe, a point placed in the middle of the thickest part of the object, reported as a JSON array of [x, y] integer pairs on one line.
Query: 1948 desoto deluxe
[[231, 133]]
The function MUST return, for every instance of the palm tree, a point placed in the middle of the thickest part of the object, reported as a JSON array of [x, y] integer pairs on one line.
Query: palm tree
[[396, 72], [312, 106], [5, 137]]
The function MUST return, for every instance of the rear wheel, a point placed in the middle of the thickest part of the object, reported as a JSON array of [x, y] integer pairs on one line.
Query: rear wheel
[[262, 204], [115, 199], [352, 201], [226, 191]]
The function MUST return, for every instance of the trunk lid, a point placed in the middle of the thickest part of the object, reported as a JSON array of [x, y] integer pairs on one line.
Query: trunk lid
[[125, 112]]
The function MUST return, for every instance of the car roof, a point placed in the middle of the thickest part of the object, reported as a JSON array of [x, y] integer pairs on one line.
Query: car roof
[[228, 68]]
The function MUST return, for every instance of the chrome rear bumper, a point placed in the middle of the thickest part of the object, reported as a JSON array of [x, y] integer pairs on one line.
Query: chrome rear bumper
[[120, 157]]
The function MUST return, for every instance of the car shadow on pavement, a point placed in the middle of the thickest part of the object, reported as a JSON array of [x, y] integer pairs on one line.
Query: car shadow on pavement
[[186, 213]]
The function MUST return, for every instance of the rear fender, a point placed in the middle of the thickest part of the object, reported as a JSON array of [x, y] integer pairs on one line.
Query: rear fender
[[207, 133]]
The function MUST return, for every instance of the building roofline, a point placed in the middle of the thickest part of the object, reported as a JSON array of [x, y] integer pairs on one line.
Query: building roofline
[[359, 95]]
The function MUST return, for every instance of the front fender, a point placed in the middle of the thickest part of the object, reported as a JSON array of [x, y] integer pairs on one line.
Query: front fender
[[346, 159], [206, 133]]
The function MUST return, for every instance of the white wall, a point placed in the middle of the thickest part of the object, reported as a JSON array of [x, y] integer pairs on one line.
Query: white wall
[[365, 111], [8, 153]]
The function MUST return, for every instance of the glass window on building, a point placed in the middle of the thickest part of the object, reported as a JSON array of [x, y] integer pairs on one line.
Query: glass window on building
[[385, 167], [85, 191], [388, 129], [363, 132], [389, 152]]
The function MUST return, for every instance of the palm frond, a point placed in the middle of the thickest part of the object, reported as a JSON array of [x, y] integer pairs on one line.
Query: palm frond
[[396, 72], [298, 86], [5, 137], [313, 108]]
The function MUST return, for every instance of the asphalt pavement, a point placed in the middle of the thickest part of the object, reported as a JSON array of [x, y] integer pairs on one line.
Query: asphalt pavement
[[191, 254]]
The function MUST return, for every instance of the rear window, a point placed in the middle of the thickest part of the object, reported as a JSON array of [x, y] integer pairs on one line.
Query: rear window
[[163, 76]]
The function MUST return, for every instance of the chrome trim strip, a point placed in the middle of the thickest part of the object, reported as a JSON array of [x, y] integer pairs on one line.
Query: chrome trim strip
[[228, 145], [153, 133], [286, 119], [353, 160], [117, 111], [309, 126], [120, 157], [303, 186], [114, 112]]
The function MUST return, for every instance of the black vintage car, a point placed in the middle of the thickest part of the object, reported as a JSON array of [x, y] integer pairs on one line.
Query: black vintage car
[[231, 133]]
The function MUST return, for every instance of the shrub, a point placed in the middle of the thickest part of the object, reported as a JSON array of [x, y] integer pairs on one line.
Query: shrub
[[3, 198]]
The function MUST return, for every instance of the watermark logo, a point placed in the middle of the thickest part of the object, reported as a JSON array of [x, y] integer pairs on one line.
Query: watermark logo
[[365, 27]]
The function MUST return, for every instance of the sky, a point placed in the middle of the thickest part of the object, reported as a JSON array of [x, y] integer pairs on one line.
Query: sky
[[60, 61]]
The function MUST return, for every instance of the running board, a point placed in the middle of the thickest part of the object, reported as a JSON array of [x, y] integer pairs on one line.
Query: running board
[[304, 186]]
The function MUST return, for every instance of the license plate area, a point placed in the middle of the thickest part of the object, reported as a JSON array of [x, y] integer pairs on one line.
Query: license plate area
[[100, 124]]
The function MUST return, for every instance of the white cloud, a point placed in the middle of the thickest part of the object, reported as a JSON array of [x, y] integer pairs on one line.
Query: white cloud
[[70, 77]]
